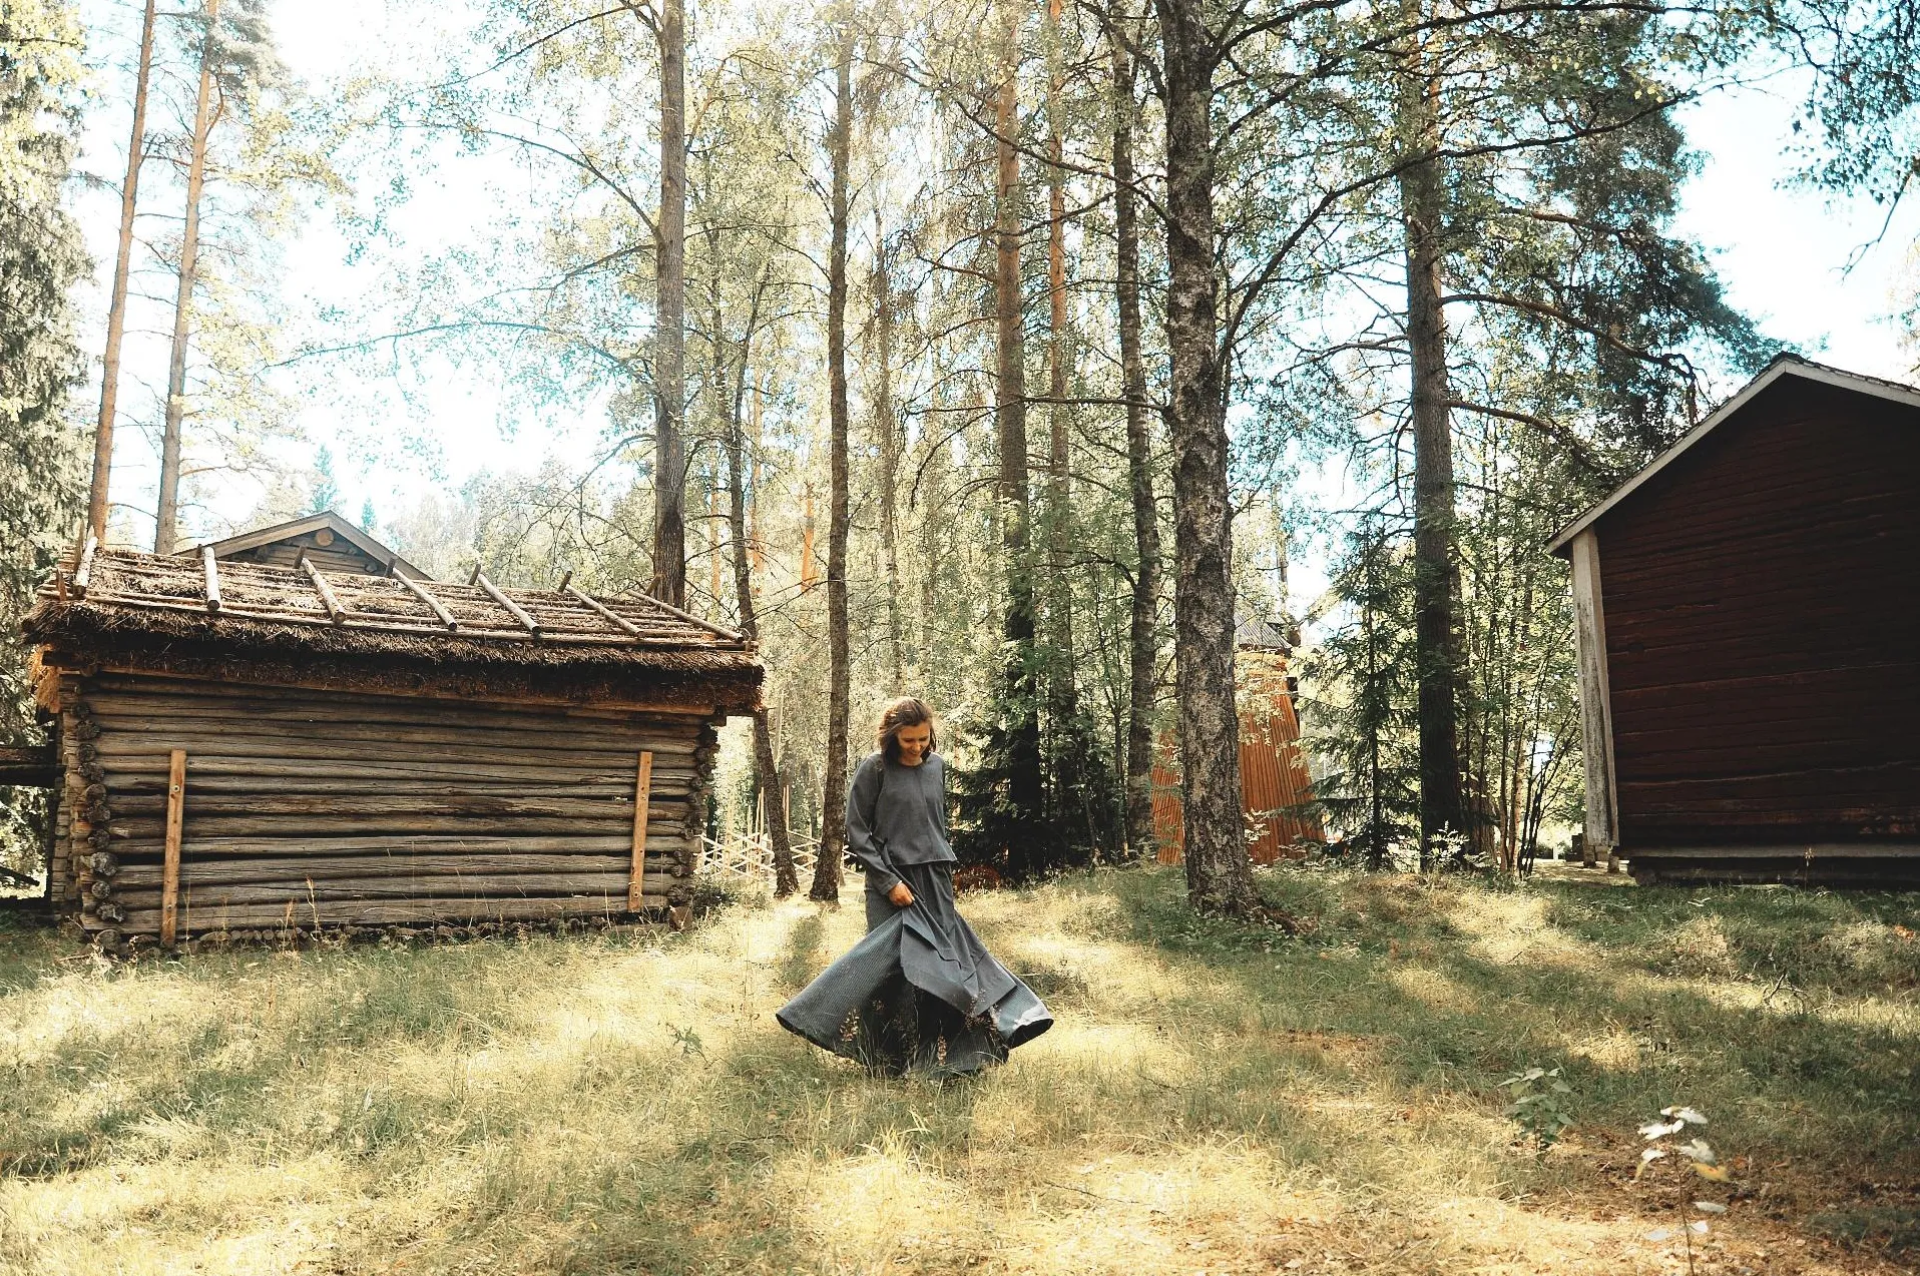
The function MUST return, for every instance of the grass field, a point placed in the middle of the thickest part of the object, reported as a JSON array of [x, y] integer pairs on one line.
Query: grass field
[[1213, 1098]]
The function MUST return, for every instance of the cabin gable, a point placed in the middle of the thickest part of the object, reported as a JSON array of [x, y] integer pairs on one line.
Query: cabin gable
[[325, 539]]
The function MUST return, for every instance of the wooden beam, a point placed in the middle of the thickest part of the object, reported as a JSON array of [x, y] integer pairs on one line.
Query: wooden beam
[[642, 802], [335, 612], [170, 871], [332, 687], [211, 563], [606, 613], [420, 591], [30, 767], [566, 578], [519, 613], [1789, 852], [692, 619], [1596, 698], [83, 575]]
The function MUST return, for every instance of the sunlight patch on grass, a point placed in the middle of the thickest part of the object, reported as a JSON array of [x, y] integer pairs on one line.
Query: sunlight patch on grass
[[1615, 1049], [1434, 988], [871, 1212], [235, 1217], [1515, 927]]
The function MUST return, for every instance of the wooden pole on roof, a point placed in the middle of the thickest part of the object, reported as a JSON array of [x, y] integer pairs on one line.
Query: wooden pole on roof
[[691, 619], [335, 612], [446, 617], [606, 613], [83, 574], [211, 564], [493, 591]]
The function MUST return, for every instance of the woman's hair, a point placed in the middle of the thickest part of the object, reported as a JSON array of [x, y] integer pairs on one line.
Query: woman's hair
[[907, 711]]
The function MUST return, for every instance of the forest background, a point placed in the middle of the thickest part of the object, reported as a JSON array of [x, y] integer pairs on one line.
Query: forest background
[[1002, 354]]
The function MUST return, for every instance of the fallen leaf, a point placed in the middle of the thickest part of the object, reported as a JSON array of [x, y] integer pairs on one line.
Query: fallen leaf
[[1713, 1173], [1710, 1207], [1697, 1151]]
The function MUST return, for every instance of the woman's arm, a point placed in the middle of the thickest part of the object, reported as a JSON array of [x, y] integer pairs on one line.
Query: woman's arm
[[860, 833]]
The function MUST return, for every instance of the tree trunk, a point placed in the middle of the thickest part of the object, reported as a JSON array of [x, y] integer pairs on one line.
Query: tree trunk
[[785, 880], [888, 430], [117, 304], [1422, 196], [833, 791], [1219, 876], [167, 516], [1143, 647], [670, 336], [1062, 693], [1010, 417]]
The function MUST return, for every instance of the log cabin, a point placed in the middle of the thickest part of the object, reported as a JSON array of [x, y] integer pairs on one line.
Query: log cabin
[[1747, 609], [255, 747]]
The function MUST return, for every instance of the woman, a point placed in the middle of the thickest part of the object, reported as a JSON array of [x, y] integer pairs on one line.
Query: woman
[[920, 992]]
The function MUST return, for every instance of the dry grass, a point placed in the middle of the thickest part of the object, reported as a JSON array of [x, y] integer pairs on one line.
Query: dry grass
[[1213, 1098]]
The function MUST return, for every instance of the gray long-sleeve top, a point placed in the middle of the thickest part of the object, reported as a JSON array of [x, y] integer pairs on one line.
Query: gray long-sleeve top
[[910, 816]]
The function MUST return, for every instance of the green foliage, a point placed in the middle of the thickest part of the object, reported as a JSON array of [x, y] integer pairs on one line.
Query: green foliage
[[1540, 1103], [41, 261], [1360, 707], [325, 493]]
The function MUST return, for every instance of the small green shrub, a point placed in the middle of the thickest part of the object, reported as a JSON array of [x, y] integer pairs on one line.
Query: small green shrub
[[1540, 1099]]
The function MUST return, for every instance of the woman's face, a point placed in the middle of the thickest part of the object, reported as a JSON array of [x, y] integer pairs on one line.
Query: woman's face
[[913, 741]]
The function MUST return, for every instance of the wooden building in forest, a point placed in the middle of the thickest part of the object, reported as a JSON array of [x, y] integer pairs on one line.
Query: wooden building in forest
[[249, 745], [1275, 786], [1748, 616]]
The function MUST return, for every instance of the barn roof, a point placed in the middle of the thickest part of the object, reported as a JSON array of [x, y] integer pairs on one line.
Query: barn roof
[[325, 519], [1783, 365], [122, 600]]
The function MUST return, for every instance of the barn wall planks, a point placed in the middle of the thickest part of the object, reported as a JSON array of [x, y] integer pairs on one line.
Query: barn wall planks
[[304, 808], [1762, 596]]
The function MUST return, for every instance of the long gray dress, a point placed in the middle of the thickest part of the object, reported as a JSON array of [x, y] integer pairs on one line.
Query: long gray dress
[[920, 992]]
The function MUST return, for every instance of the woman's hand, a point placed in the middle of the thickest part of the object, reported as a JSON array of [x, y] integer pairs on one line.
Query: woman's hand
[[900, 896]]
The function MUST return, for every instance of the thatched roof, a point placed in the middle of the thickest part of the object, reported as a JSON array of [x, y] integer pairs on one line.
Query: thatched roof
[[117, 602]]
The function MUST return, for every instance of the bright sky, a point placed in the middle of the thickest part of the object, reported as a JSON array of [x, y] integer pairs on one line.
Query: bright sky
[[1781, 252]]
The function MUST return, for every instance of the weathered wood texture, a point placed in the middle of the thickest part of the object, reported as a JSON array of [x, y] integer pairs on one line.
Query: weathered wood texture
[[170, 850], [305, 808], [1762, 604], [1596, 711]]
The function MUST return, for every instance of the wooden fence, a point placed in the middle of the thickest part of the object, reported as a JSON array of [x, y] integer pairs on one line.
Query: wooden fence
[[747, 858]]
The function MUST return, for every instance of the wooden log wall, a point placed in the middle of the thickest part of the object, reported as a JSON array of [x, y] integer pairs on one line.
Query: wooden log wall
[[308, 809]]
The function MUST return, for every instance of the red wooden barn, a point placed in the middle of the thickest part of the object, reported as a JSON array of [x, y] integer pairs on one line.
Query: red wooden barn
[[1274, 782], [1748, 614]]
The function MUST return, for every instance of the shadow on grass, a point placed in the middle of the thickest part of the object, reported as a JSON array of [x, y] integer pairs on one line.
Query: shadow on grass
[[1665, 996]]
